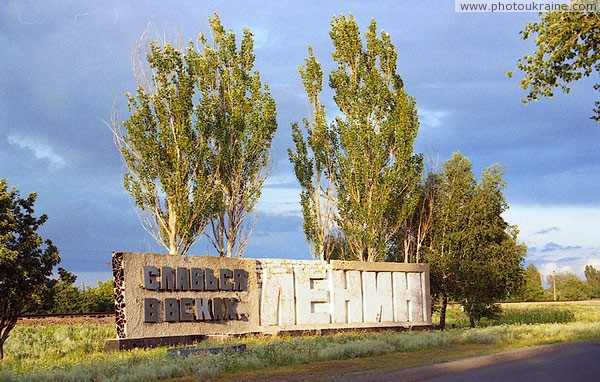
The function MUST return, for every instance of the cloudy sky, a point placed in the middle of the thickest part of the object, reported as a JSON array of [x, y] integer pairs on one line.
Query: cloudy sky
[[65, 64]]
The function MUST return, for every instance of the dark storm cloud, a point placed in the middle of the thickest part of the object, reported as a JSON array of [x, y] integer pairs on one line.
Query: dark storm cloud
[[65, 64], [551, 247], [547, 230]]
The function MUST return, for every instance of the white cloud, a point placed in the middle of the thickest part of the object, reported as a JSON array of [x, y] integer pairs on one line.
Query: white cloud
[[430, 117], [39, 148], [280, 179], [560, 238], [565, 225], [280, 201]]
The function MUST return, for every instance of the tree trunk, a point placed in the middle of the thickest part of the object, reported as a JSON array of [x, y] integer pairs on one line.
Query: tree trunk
[[443, 312], [471, 316], [172, 232], [4, 333]]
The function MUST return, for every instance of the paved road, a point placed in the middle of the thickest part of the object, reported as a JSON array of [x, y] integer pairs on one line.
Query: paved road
[[573, 361]]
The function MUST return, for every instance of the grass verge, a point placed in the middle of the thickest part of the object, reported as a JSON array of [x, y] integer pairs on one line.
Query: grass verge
[[59, 353]]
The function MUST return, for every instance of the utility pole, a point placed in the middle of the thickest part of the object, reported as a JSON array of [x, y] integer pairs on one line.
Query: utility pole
[[554, 283]]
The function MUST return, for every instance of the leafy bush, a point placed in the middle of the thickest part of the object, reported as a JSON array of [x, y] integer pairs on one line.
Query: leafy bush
[[534, 316]]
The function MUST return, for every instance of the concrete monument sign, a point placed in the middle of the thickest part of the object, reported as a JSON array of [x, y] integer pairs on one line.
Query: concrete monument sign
[[165, 296]]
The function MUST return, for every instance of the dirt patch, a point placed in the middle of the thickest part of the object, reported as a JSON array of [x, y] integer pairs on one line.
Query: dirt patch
[[361, 369]]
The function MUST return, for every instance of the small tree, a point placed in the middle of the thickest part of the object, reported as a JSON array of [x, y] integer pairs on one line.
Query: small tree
[[592, 276], [491, 266], [100, 298], [532, 289], [474, 254], [569, 286], [26, 260], [454, 192]]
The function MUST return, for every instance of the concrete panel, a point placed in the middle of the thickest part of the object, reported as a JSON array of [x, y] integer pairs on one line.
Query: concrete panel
[[347, 296], [377, 296], [312, 296], [277, 305]]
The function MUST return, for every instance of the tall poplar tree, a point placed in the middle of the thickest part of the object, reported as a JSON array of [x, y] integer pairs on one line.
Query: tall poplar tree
[[314, 165], [197, 141], [239, 117], [373, 164], [172, 173]]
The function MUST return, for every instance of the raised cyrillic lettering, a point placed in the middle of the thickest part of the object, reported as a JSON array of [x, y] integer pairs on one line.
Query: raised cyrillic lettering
[[225, 276], [231, 308], [212, 283], [183, 279], [240, 280], [203, 309], [171, 310], [187, 309], [168, 278], [150, 274], [151, 310], [197, 277]]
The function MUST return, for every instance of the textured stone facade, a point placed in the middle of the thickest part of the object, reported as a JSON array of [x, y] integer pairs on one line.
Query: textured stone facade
[[161, 295]]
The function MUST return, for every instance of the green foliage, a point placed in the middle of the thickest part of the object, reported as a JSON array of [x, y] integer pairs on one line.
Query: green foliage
[[376, 130], [171, 167], [531, 289], [99, 299], [526, 314], [592, 276], [197, 141], [65, 297], [26, 260], [534, 316], [474, 254], [314, 165], [568, 48], [367, 152], [237, 114], [569, 287]]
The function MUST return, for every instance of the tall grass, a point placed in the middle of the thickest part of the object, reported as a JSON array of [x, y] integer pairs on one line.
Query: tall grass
[[62, 353]]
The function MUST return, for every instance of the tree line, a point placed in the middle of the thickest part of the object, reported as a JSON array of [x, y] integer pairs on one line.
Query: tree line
[[561, 286], [63, 296]]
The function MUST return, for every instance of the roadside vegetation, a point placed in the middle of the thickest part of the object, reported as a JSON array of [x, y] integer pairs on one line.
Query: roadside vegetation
[[61, 352]]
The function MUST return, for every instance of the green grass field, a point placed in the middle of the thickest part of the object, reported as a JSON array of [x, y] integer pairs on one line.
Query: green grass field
[[61, 352]]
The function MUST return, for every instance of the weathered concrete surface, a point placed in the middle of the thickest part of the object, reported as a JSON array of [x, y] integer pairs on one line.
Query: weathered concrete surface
[[136, 293], [164, 295]]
